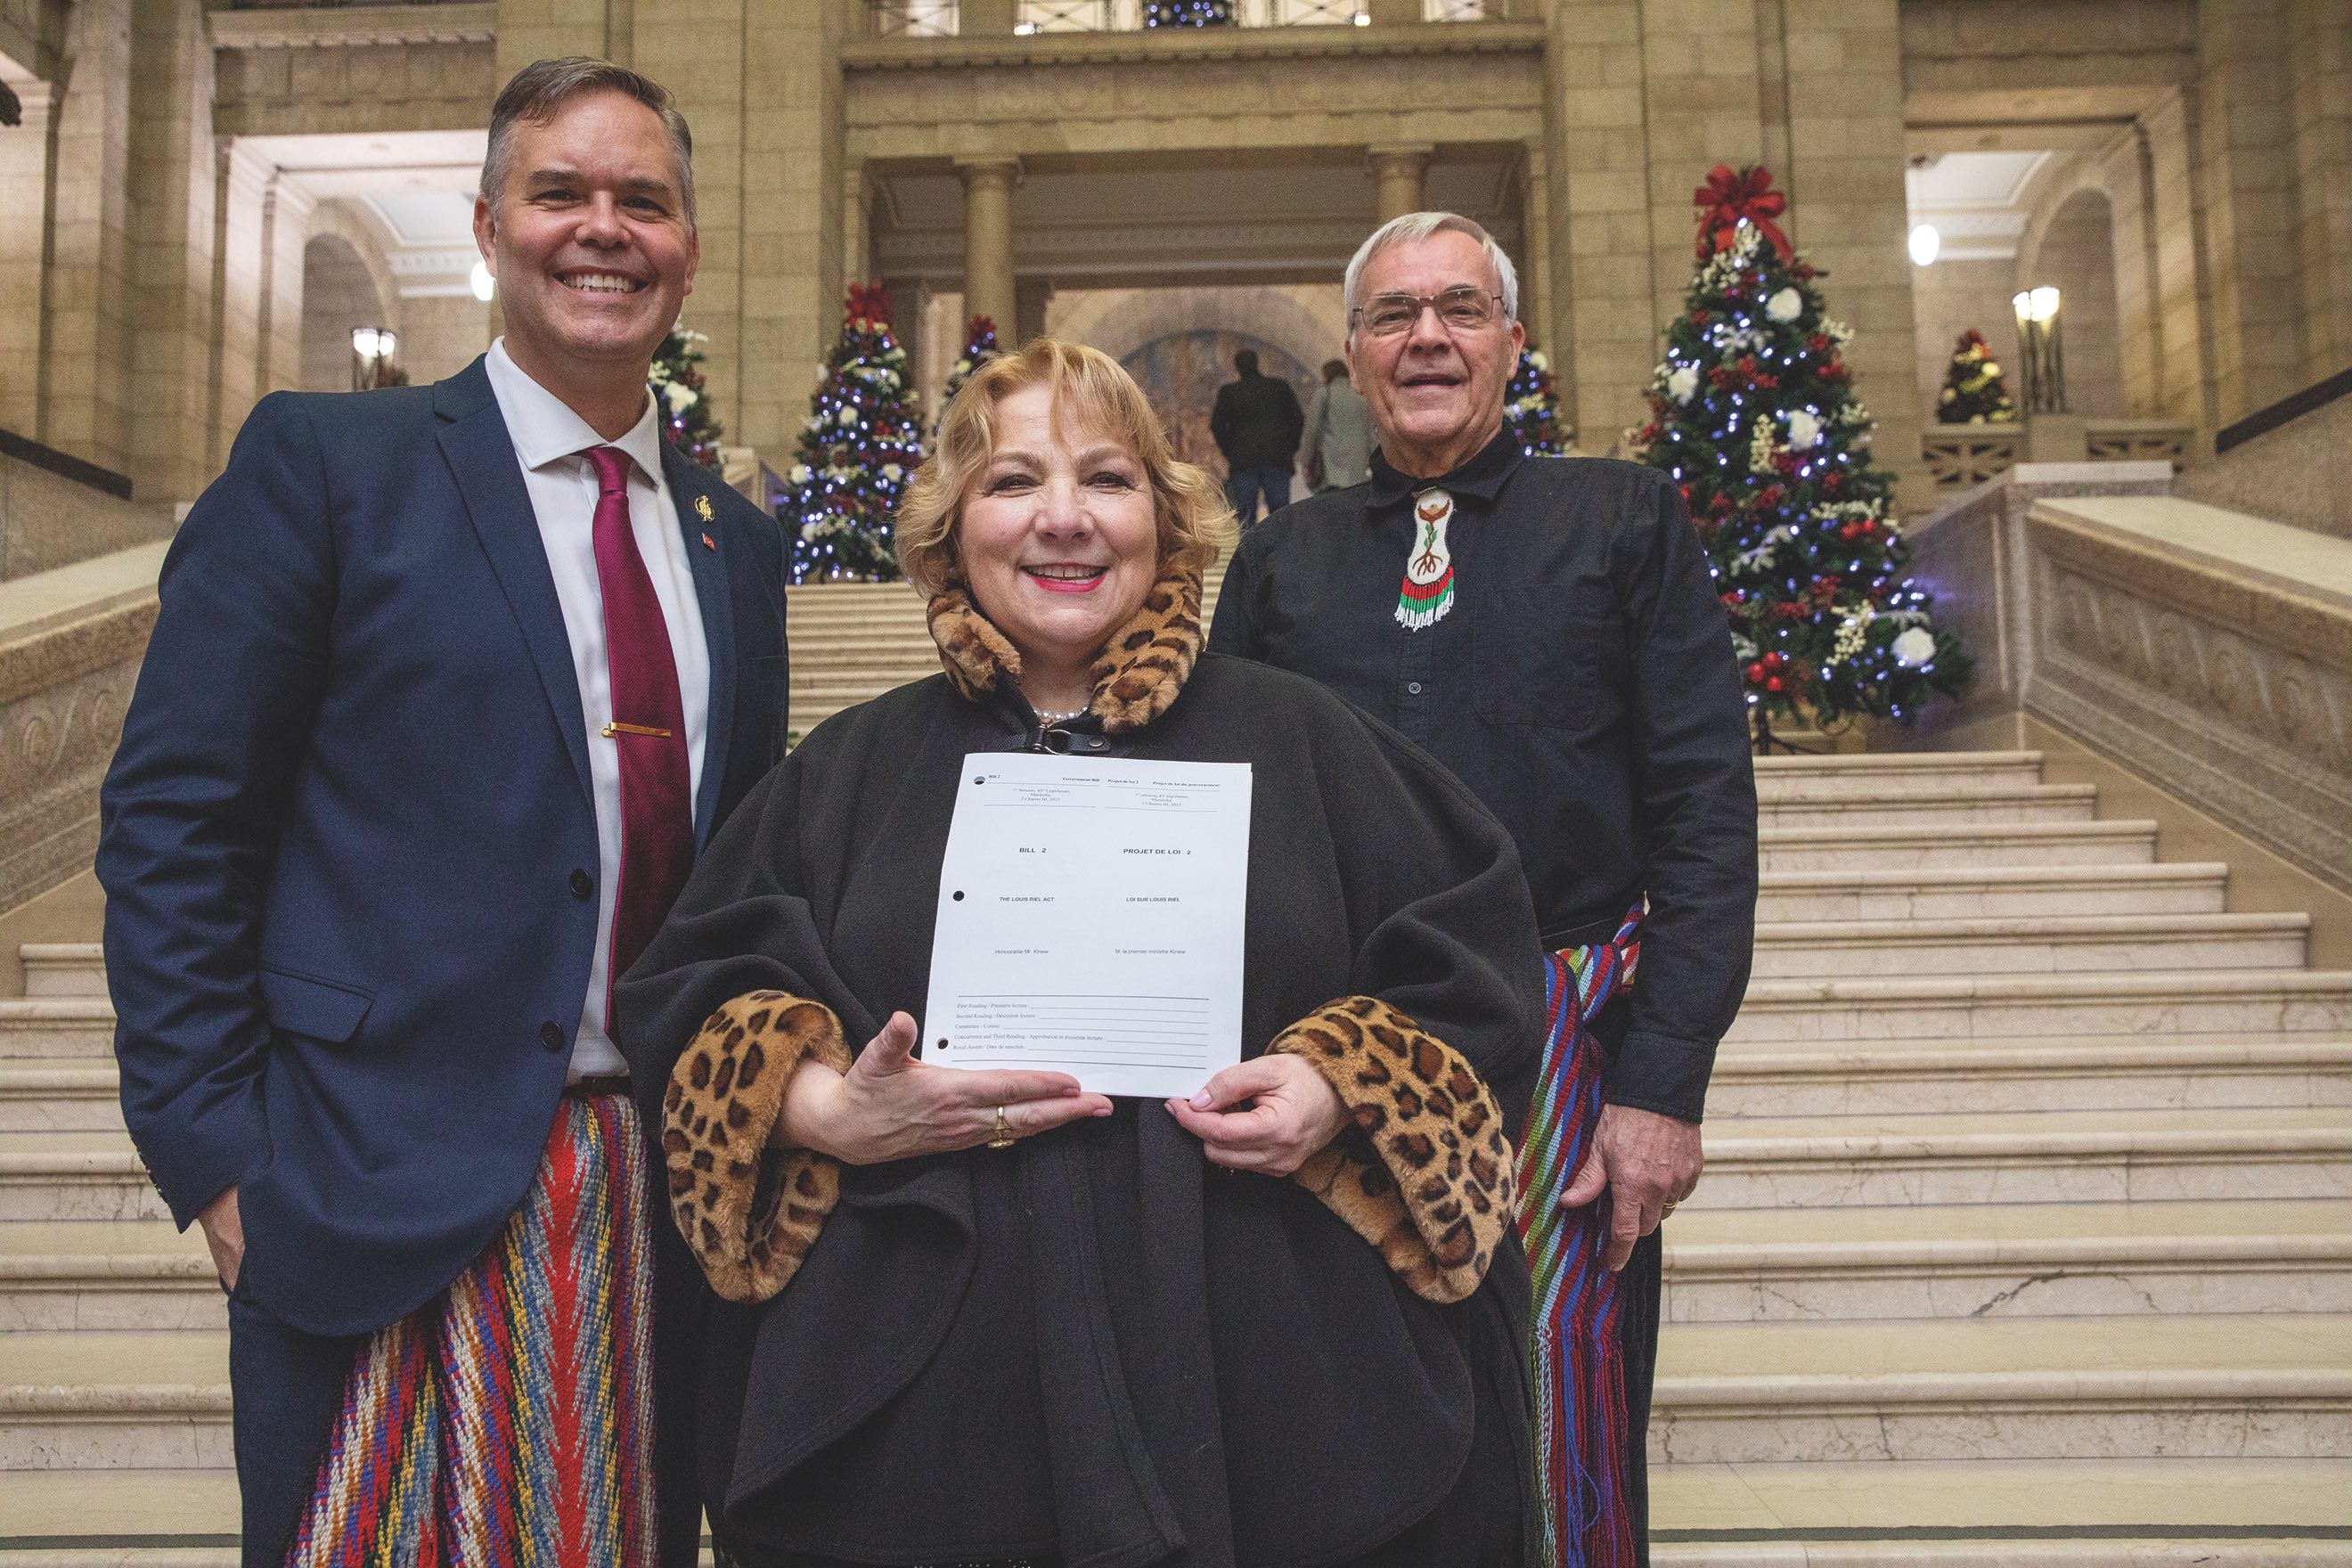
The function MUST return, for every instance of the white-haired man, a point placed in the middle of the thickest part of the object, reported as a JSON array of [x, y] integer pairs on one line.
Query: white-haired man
[[1547, 628]]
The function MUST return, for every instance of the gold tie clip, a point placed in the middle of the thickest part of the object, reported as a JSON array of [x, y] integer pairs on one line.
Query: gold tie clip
[[617, 728]]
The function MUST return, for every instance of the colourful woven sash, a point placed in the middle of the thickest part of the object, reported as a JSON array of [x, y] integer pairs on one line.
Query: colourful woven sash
[[509, 1424], [1576, 1359]]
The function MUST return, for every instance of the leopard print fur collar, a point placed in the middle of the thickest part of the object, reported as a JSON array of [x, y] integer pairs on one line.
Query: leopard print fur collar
[[1137, 675]]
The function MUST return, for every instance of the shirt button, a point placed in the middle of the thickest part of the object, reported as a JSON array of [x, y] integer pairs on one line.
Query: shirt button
[[584, 886], [1414, 687], [551, 1034]]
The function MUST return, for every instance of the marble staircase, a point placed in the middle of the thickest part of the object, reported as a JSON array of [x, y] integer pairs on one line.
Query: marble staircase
[[2026, 1238]]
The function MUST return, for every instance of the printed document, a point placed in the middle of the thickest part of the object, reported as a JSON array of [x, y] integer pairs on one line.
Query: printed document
[[1091, 921]]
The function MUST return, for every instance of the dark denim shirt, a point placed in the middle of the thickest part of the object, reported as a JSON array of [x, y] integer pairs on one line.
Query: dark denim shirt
[[1582, 686]]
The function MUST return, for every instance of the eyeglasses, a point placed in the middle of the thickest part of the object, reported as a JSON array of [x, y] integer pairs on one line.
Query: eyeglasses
[[1462, 309]]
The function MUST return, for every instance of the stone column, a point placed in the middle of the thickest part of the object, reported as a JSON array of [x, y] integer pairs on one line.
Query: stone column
[[240, 291], [2319, 49], [2167, 128], [768, 184], [987, 285], [174, 183], [1849, 212], [86, 387], [1397, 175], [25, 196], [2246, 145], [286, 230]]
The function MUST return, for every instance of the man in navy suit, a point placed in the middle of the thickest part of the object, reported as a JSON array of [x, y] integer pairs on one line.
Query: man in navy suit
[[447, 686]]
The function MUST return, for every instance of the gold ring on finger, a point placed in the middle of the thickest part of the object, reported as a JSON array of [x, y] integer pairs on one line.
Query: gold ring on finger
[[1000, 1136]]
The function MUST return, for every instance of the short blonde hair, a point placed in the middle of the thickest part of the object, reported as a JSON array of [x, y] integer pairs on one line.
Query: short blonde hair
[[1195, 523]]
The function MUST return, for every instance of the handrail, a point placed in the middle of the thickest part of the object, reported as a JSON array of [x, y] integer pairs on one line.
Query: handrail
[[65, 465], [2294, 406]]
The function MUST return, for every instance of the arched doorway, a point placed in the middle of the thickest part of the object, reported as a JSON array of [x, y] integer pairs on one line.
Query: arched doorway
[[2077, 255], [339, 293], [1181, 373]]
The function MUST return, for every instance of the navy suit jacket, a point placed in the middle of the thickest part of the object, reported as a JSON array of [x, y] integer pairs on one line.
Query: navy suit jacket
[[348, 843]]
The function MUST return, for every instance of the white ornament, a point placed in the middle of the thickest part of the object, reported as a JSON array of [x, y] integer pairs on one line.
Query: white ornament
[[1785, 306], [1804, 429], [1682, 381], [848, 415], [893, 472], [1537, 358], [801, 474], [678, 395], [1914, 648]]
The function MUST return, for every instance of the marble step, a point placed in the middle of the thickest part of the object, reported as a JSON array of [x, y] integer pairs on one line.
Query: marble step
[[2011, 1006], [1953, 846], [1981, 1513], [1994, 1388], [1965, 893], [2030, 944], [2009, 1260], [93, 1275], [49, 1026], [2004, 1513], [74, 1175], [2035, 1156], [1933, 812], [1888, 771], [2103, 1072], [114, 1401], [64, 968], [40, 1096]]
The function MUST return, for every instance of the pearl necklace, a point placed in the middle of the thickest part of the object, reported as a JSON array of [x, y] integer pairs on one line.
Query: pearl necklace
[[1048, 720]]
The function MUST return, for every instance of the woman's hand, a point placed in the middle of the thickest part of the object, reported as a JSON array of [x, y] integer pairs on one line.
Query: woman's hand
[[888, 1106], [1295, 1113]]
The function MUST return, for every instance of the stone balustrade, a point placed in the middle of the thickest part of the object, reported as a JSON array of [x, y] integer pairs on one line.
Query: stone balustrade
[[2207, 650], [70, 643], [1960, 457], [951, 18]]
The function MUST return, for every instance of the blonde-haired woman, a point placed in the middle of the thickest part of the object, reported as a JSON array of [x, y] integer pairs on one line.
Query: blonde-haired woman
[[982, 1318]]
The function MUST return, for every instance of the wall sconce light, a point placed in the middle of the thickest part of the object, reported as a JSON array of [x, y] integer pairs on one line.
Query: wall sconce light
[[2041, 345], [372, 351], [1925, 243]]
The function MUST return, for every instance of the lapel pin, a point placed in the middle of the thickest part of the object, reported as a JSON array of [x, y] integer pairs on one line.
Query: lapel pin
[[708, 543], [702, 510]]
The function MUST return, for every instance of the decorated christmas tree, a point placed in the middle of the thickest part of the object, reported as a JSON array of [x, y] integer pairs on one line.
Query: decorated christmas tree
[[679, 394], [1754, 412], [1532, 407], [979, 347], [1974, 393], [1187, 13], [863, 440]]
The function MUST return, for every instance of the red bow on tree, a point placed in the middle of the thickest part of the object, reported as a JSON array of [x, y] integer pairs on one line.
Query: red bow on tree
[[1727, 198], [870, 302]]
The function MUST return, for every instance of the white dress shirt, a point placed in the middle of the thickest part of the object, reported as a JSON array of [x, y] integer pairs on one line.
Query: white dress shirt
[[549, 439]]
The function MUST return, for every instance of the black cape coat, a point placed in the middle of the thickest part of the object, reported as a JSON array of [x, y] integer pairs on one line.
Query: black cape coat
[[1097, 1346]]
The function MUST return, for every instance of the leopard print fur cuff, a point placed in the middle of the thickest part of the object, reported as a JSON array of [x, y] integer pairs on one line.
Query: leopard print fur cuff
[[748, 1212], [1138, 672], [1423, 1172]]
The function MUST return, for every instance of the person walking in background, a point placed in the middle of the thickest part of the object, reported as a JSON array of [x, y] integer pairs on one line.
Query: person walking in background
[[1547, 628], [1257, 424], [448, 686], [1338, 432]]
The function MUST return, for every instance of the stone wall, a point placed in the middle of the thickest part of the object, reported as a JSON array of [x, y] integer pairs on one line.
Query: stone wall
[[2300, 473], [2207, 651], [65, 681], [48, 521]]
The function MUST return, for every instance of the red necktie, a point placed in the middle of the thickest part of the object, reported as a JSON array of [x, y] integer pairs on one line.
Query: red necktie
[[649, 726]]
